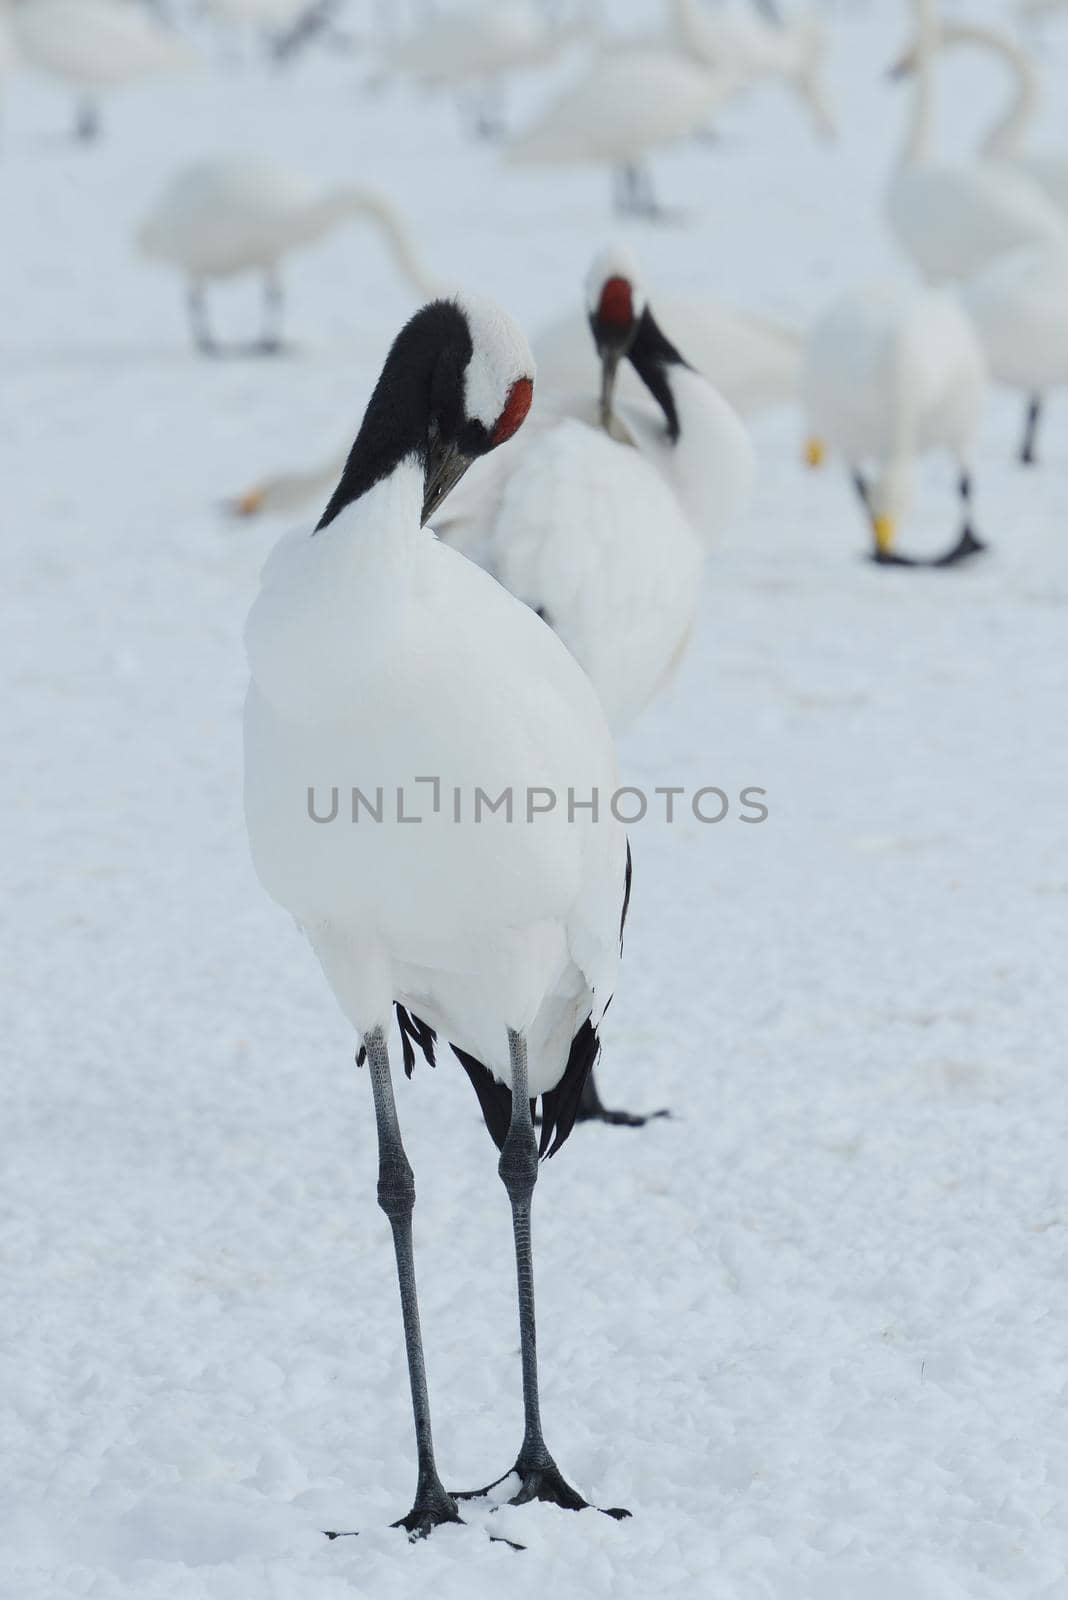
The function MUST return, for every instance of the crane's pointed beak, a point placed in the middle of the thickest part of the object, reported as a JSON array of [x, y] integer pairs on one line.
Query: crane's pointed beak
[[610, 359], [445, 466]]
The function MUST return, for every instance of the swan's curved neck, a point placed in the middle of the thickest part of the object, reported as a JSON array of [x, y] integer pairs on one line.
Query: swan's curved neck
[[917, 144], [353, 202], [1005, 137]]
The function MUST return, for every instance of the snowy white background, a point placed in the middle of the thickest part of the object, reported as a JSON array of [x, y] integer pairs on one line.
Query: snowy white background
[[813, 1329]]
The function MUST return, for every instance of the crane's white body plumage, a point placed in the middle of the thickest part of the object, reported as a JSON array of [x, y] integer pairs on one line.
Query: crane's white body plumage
[[954, 219], [584, 529], [378, 655], [710, 467], [892, 371]]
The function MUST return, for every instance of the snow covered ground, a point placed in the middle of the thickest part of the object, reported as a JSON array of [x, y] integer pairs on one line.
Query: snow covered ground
[[812, 1329]]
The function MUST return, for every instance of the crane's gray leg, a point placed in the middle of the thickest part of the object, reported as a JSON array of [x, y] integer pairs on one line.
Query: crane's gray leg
[[198, 320], [1034, 416], [396, 1195], [593, 1109], [273, 308], [539, 1476]]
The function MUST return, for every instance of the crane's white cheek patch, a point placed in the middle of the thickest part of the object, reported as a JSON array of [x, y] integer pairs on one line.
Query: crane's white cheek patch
[[516, 407], [500, 357]]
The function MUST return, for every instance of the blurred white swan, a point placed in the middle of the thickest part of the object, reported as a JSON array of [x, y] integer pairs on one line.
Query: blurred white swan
[[752, 50], [891, 371], [1035, 10], [223, 218], [629, 102], [94, 46], [1005, 139], [474, 48], [953, 219], [256, 13]]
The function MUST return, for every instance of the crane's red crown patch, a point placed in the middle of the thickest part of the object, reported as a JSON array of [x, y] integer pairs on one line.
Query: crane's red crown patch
[[516, 407], [616, 305]]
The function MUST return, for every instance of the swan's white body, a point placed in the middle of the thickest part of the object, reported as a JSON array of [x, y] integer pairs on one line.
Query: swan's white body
[[1020, 307], [257, 13], [378, 655], [1032, 10], [218, 219], [752, 361], [628, 103], [8, 55], [475, 43], [94, 45], [892, 371], [953, 220]]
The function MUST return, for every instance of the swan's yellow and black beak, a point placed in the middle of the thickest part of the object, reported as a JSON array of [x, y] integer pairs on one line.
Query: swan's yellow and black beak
[[815, 452], [249, 504], [446, 464]]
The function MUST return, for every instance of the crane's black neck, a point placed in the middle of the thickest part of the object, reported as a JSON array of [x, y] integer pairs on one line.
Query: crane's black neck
[[652, 355], [421, 390]]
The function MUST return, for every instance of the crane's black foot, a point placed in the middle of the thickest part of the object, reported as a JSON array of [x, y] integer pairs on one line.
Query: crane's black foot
[[618, 1119], [1027, 457], [422, 1519], [967, 545], [545, 1482], [593, 1109]]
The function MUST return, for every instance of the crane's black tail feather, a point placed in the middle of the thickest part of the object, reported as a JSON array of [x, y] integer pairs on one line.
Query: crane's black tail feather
[[559, 1107]]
